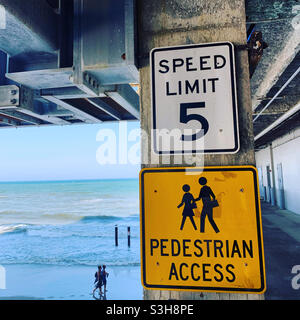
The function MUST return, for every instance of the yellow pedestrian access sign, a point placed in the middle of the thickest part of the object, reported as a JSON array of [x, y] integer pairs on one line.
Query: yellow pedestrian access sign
[[201, 229]]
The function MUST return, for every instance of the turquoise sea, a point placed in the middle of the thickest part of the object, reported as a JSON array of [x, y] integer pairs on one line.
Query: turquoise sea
[[68, 223]]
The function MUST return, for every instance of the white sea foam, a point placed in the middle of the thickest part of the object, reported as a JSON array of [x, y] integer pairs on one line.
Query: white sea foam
[[13, 228]]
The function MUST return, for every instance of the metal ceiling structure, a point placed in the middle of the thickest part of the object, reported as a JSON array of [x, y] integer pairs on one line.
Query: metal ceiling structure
[[275, 86], [67, 62]]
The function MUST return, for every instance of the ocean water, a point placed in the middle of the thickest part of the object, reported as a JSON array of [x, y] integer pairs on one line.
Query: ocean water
[[69, 223]]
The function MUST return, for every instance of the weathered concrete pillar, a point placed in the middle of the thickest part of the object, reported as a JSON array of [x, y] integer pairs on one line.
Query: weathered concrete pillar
[[164, 23]]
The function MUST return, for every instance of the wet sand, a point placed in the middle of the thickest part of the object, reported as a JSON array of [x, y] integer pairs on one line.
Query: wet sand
[[31, 282]]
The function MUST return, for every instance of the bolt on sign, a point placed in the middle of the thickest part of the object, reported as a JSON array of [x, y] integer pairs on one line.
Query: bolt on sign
[[201, 229], [194, 105]]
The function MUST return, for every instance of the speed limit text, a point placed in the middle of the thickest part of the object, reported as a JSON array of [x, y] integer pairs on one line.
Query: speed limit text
[[190, 64]]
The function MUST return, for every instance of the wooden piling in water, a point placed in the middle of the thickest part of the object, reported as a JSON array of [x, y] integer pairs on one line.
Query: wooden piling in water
[[128, 236], [116, 235]]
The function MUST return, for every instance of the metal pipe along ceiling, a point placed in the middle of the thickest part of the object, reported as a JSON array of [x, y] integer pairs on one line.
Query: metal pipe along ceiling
[[277, 94]]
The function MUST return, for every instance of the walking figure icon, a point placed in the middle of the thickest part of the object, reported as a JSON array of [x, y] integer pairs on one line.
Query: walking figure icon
[[189, 204], [209, 202]]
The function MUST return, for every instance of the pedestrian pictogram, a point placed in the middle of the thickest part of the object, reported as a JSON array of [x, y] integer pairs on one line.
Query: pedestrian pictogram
[[189, 202], [201, 229]]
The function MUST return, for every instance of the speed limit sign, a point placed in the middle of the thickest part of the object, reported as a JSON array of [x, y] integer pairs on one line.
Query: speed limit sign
[[194, 104]]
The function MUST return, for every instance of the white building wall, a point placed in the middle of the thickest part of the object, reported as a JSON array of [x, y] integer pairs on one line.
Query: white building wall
[[286, 150], [263, 159]]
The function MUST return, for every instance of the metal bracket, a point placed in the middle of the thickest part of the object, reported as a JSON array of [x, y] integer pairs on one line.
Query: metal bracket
[[9, 97], [31, 103]]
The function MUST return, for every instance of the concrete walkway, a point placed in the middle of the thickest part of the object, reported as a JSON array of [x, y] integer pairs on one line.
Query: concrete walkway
[[281, 232]]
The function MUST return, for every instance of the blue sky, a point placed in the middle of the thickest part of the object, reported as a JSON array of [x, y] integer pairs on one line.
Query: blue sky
[[59, 153]]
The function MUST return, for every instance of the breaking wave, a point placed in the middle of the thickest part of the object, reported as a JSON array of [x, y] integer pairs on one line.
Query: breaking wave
[[13, 228]]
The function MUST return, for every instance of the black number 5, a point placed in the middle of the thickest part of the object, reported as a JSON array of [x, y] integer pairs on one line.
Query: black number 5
[[185, 118]]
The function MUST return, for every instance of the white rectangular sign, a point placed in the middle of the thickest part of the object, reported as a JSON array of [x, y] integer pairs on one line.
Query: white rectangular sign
[[194, 107]]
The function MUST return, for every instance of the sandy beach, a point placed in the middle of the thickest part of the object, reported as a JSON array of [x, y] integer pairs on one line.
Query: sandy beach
[[30, 282], [54, 233]]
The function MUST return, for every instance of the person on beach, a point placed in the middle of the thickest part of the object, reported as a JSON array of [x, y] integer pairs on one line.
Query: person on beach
[[189, 204], [98, 281], [104, 275]]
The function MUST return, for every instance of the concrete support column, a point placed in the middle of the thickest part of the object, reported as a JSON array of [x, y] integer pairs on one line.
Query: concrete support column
[[177, 22]]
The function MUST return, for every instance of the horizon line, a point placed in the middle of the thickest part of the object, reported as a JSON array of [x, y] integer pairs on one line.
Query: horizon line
[[66, 180]]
